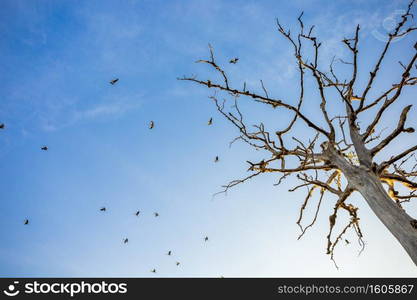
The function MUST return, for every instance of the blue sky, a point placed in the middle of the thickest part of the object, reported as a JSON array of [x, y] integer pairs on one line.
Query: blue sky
[[57, 58]]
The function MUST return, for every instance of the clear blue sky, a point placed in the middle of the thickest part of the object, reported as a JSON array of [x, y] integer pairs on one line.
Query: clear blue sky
[[56, 59]]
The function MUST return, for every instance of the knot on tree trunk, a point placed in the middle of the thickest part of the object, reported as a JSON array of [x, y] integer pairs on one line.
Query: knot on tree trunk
[[414, 223]]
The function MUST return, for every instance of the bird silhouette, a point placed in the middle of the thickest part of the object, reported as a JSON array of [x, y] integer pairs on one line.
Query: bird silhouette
[[177, 263], [206, 239], [234, 60], [169, 252], [216, 159], [137, 213], [125, 240], [44, 148], [347, 242], [113, 81], [2, 126], [153, 271], [26, 222], [210, 121], [156, 214], [103, 209], [151, 125]]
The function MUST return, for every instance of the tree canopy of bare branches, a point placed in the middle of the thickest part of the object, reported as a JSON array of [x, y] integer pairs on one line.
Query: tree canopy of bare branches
[[340, 158]]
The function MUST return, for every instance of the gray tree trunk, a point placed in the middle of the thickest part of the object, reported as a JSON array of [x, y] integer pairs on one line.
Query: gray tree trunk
[[395, 219]]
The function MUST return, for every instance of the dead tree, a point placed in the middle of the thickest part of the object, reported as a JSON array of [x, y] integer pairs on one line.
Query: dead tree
[[341, 158]]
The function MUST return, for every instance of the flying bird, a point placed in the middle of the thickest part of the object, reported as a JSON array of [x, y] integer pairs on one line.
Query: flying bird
[[206, 239], [156, 214], [234, 60], [103, 209], [216, 159], [125, 240], [177, 263], [26, 222], [347, 242], [210, 121], [137, 213], [151, 125], [169, 252], [113, 81], [44, 148], [153, 271], [2, 126]]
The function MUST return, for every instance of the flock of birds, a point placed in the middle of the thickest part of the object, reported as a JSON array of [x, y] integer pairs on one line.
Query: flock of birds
[[137, 213], [126, 240]]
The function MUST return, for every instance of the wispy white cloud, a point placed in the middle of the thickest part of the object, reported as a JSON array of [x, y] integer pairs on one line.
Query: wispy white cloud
[[105, 110]]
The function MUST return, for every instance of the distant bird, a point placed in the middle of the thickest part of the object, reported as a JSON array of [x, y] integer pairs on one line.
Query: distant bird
[[234, 60], [113, 81], [347, 242], [151, 125], [153, 271], [125, 240], [210, 121], [44, 148], [103, 209], [26, 222], [206, 239], [137, 213], [169, 252], [216, 159], [2, 126], [177, 263], [156, 214]]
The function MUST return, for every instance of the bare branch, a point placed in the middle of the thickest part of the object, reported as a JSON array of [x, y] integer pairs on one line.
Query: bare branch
[[391, 37], [400, 128]]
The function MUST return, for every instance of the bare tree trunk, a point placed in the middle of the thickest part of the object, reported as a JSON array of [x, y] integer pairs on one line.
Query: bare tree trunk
[[398, 222], [357, 165]]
